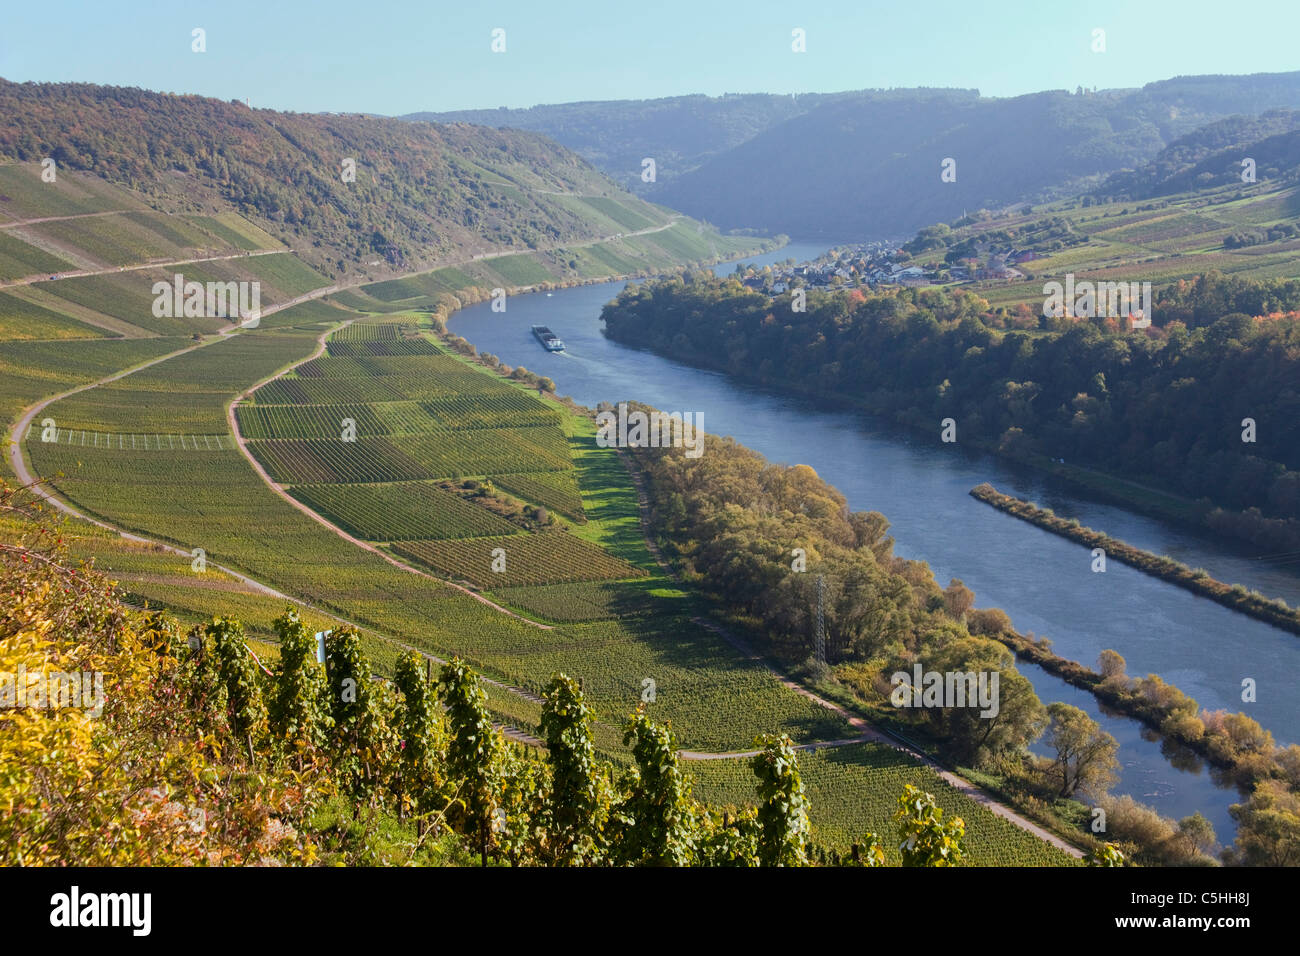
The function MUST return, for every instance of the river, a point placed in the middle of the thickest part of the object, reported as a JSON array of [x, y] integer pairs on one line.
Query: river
[[921, 485]]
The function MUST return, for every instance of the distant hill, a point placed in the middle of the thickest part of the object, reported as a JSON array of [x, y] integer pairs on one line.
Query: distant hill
[[678, 132], [1212, 156], [846, 165], [872, 167], [422, 193]]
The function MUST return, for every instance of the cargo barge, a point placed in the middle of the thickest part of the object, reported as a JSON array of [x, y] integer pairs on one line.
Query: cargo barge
[[550, 341]]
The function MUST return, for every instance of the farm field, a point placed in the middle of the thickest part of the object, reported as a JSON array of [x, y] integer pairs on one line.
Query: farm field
[[629, 255], [32, 370], [187, 394], [19, 259], [21, 320], [124, 299], [557, 490], [26, 196], [1160, 241], [583, 601], [209, 500]]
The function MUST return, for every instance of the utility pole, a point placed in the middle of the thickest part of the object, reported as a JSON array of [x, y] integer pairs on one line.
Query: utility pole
[[820, 647]]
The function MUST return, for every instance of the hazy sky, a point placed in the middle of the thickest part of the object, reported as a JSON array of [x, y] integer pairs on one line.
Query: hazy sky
[[390, 57]]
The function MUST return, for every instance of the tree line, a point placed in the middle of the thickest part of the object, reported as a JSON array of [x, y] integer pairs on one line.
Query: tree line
[[1166, 406]]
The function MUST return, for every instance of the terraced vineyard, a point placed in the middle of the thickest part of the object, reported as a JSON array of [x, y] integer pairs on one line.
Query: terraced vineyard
[[1175, 237], [422, 415]]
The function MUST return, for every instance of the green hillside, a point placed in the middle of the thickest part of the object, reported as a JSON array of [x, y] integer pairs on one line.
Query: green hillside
[[352, 195]]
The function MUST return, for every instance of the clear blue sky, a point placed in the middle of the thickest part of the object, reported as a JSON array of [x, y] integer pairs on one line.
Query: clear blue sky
[[385, 56]]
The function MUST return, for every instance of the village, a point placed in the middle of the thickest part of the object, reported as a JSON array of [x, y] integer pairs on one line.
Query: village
[[882, 263]]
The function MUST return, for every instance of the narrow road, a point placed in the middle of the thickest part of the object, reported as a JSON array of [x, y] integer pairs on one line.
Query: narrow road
[[81, 215], [113, 270]]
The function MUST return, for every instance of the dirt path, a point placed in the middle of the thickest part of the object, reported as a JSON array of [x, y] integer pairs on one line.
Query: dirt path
[[111, 270], [81, 215]]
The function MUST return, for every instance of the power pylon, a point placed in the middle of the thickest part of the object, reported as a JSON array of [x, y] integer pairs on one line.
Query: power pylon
[[820, 646]]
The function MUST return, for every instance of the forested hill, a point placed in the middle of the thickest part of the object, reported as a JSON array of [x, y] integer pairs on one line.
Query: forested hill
[[421, 193], [1213, 155], [678, 132], [845, 165], [872, 166], [1164, 407]]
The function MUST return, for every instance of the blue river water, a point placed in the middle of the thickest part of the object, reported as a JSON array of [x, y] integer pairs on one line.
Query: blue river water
[[922, 485]]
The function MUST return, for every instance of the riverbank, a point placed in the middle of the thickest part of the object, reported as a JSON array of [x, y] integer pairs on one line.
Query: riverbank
[[1234, 743], [1198, 581], [1134, 492]]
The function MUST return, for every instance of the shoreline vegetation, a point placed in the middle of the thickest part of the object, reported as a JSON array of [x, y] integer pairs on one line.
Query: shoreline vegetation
[[884, 613], [1234, 743], [1233, 596], [913, 357]]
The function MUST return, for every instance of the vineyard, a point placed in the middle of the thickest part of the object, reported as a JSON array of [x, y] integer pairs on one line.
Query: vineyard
[[549, 558], [850, 790], [420, 415], [405, 458], [557, 490], [130, 442], [18, 259], [582, 601], [401, 511], [22, 320]]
